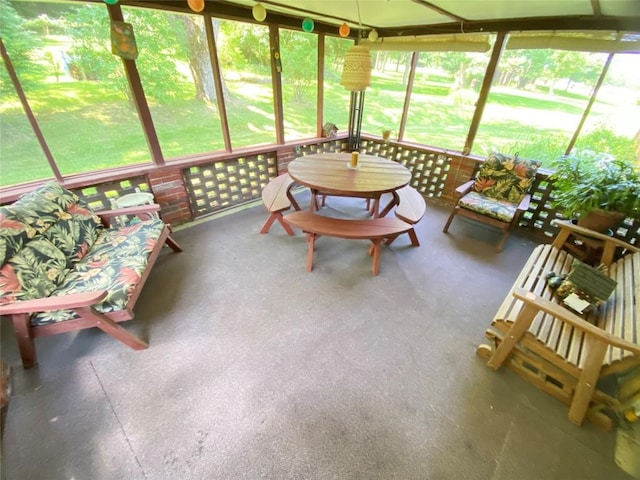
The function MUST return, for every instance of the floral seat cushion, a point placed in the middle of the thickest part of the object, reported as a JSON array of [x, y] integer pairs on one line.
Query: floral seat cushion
[[502, 177], [115, 263], [500, 209]]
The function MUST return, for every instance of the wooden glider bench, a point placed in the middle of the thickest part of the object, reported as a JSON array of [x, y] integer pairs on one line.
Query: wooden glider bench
[[66, 268], [374, 229], [563, 353], [277, 198], [410, 208]]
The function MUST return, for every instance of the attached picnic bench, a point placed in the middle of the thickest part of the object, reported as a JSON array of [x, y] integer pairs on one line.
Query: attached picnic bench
[[563, 353], [374, 229], [410, 208], [277, 198]]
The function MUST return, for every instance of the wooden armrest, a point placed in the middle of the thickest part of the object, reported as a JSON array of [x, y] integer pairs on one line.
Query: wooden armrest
[[565, 315], [73, 300], [571, 227], [465, 187], [524, 203], [154, 207]]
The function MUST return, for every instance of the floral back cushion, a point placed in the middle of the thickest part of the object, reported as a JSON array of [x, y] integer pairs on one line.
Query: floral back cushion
[[56, 213], [34, 272], [14, 234], [507, 178]]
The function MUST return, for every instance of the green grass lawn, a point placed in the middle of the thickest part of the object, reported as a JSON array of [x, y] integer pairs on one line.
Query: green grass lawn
[[88, 126]]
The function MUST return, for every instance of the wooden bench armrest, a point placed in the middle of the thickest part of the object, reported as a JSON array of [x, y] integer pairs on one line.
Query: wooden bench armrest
[[465, 187], [567, 227], [524, 203], [73, 300], [565, 315]]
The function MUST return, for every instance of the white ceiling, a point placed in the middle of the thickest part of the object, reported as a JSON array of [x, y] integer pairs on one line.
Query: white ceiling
[[418, 16]]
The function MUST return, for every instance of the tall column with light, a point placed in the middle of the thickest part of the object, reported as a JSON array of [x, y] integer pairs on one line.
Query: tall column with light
[[356, 77]]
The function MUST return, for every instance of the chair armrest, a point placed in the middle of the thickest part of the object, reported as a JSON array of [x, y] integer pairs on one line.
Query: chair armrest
[[73, 300], [569, 227], [465, 187], [524, 203], [563, 314]]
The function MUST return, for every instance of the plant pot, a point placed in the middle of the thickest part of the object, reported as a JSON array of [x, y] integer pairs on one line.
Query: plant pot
[[601, 221]]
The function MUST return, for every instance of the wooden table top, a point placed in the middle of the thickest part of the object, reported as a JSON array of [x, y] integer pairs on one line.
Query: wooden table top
[[329, 173]]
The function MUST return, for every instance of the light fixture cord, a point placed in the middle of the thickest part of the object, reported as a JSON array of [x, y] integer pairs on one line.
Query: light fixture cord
[[359, 19]]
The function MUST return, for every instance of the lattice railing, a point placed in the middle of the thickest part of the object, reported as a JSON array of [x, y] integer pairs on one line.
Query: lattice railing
[[228, 183], [100, 196]]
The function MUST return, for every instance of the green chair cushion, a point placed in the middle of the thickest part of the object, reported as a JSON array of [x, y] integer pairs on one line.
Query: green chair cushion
[[499, 209]]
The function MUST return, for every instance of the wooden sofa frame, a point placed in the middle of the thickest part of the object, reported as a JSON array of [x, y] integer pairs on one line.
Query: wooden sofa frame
[[563, 353], [20, 312]]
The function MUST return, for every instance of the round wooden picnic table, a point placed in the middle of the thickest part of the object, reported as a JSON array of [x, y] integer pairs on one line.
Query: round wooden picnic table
[[330, 174]]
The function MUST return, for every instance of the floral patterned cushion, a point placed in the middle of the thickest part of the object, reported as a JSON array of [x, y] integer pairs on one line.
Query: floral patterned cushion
[[502, 177], [34, 272], [75, 232], [115, 263], [13, 234], [500, 209]]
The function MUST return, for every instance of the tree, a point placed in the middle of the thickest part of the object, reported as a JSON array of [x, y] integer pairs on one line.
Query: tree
[[20, 44]]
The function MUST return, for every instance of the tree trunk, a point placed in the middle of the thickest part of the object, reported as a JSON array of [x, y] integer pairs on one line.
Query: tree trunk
[[199, 61]]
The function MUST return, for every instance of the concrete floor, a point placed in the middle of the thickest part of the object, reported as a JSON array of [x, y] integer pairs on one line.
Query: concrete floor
[[259, 370]]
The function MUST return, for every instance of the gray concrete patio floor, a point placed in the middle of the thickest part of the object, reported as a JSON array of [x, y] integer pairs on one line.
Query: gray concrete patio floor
[[257, 369]]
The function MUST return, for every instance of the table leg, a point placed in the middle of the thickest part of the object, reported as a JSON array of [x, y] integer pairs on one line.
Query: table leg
[[375, 210]]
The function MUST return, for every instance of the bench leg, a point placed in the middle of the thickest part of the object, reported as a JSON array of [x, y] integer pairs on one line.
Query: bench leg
[[587, 382], [272, 218], [414, 238], [112, 328], [311, 240], [376, 255], [22, 327], [173, 244], [513, 336]]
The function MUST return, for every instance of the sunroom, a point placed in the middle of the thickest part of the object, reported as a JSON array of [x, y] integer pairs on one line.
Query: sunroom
[[256, 368]]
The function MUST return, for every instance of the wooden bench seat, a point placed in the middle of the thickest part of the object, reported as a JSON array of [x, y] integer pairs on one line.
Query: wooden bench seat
[[562, 353], [410, 208], [374, 229], [277, 198]]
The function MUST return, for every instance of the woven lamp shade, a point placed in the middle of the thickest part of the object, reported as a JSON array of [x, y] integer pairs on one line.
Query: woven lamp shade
[[356, 71]]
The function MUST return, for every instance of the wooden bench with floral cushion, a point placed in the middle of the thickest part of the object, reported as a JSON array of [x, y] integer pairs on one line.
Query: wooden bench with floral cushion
[[66, 268]]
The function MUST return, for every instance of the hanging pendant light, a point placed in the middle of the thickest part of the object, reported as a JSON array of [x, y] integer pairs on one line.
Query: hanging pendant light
[[356, 70]]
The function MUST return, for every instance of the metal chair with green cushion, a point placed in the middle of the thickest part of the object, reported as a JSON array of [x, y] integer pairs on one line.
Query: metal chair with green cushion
[[498, 195]]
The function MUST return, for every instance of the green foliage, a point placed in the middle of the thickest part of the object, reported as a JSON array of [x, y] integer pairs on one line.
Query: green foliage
[[161, 39], [20, 43], [544, 147], [589, 181], [299, 60], [242, 47], [604, 140]]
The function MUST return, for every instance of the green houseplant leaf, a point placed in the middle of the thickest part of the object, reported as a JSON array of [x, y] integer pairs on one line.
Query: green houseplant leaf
[[588, 181]]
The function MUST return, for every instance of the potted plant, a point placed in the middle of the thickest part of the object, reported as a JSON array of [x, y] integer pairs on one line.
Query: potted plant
[[386, 135], [598, 191]]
